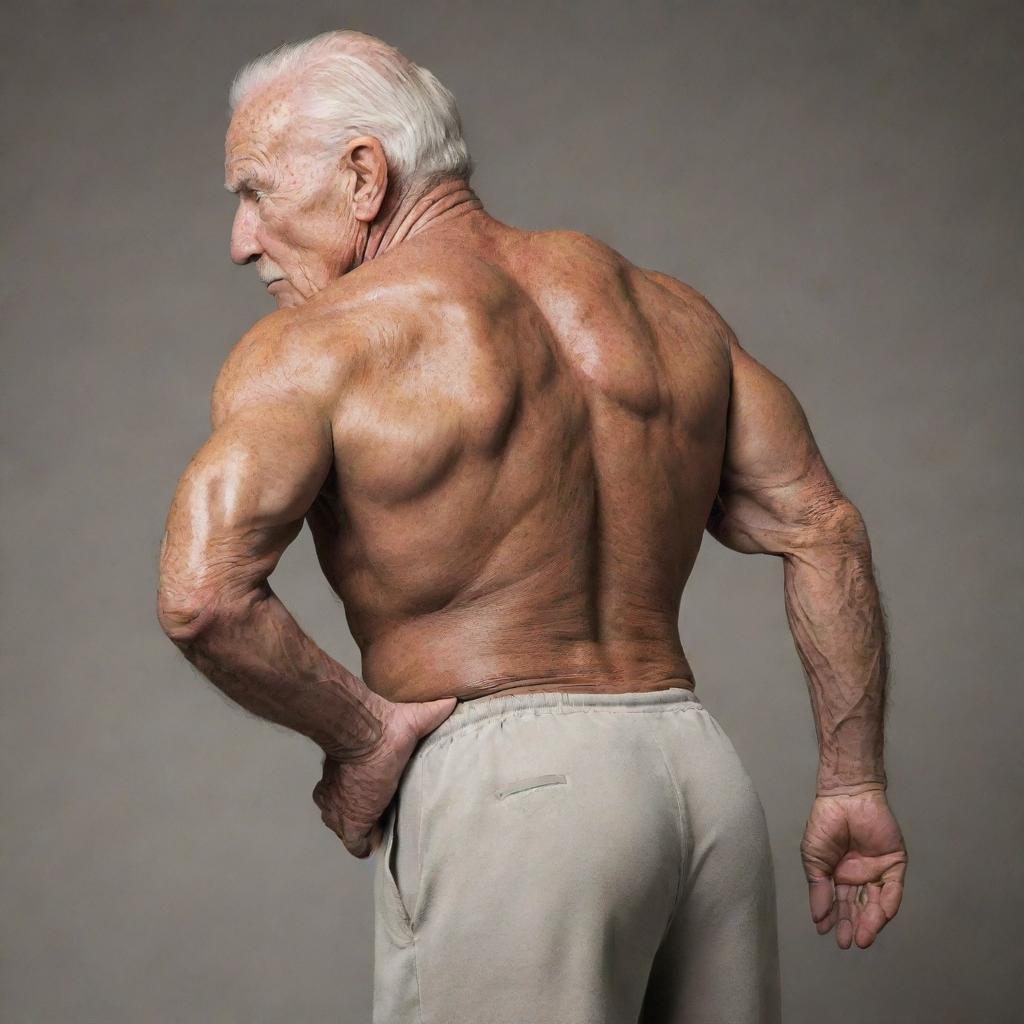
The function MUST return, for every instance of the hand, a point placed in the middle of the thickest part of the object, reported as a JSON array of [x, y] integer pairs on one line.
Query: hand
[[855, 843], [354, 792]]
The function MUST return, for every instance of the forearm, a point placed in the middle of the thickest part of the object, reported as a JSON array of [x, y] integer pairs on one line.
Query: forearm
[[256, 653], [838, 624]]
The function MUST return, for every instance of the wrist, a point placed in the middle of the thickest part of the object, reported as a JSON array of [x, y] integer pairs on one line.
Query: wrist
[[856, 789], [359, 730]]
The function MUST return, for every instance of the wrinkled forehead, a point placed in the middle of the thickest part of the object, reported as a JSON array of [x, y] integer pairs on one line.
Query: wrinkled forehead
[[265, 127]]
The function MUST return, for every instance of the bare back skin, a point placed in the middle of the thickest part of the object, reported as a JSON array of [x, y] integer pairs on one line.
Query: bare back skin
[[528, 437], [508, 446]]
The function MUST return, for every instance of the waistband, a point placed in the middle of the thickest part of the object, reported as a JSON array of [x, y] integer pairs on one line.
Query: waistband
[[481, 709]]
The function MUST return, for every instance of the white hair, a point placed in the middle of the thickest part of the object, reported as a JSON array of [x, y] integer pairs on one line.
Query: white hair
[[350, 84]]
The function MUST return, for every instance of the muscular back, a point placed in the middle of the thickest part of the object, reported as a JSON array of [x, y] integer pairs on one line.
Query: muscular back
[[528, 434]]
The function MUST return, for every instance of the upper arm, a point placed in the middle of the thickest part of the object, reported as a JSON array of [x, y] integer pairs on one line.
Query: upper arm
[[776, 494], [242, 498]]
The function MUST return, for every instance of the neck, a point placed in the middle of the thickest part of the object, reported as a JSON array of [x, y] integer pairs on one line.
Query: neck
[[416, 212]]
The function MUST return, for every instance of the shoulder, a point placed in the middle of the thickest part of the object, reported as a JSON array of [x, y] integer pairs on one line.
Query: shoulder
[[674, 285], [584, 257], [291, 354], [686, 292], [585, 252], [696, 305]]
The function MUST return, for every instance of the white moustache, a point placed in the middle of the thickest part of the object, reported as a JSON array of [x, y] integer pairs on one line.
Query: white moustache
[[269, 272]]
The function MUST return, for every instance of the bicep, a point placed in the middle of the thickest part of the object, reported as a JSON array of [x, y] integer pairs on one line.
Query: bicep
[[242, 499], [775, 486]]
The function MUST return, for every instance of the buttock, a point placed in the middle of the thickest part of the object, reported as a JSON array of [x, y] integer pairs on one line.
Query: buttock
[[537, 852]]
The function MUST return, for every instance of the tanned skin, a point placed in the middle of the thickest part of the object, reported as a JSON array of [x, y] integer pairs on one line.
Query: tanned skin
[[507, 445]]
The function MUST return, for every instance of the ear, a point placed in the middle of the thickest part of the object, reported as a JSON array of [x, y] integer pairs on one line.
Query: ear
[[364, 157]]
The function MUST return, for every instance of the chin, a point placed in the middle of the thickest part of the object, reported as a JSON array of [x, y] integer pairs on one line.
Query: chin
[[286, 296]]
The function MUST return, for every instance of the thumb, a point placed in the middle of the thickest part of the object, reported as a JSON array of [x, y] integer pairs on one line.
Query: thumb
[[427, 716], [821, 895]]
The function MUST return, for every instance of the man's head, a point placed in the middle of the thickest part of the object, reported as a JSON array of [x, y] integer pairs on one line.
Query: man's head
[[326, 138]]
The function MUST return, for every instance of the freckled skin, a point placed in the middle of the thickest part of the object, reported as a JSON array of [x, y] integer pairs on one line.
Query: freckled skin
[[507, 445]]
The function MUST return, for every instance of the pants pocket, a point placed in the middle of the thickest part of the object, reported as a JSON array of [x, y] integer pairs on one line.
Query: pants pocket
[[396, 912], [536, 782]]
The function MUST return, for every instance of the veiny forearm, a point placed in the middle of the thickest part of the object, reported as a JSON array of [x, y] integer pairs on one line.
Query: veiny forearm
[[256, 653], [837, 621]]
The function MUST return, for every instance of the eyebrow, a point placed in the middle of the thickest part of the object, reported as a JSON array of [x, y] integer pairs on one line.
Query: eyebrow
[[249, 183]]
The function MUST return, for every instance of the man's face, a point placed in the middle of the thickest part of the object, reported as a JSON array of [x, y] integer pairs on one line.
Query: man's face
[[294, 217]]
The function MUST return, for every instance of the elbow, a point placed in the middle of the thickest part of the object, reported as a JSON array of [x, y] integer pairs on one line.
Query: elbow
[[183, 622], [186, 616], [845, 524], [189, 618], [831, 521]]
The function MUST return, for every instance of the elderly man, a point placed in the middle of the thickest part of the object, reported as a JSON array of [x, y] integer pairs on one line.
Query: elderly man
[[507, 445]]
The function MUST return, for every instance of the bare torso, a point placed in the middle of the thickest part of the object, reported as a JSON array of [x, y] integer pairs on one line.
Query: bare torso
[[528, 437]]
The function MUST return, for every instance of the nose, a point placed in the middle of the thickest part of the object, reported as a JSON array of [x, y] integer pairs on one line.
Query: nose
[[244, 246]]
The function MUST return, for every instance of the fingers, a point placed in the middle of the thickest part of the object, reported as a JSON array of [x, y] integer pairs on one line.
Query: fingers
[[859, 912], [376, 838], [361, 849], [891, 896], [363, 843], [872, 917], [825, 926], [879, 906], [855, 863], [844, 913], [353, 801], [842, 910], [819, 891], [859, 915]]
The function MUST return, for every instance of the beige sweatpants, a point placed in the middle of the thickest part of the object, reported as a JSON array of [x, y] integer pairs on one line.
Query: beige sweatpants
[[558, 858]]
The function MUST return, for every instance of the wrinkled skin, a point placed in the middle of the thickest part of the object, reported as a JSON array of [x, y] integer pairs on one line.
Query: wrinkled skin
[[354, 792], [855, 862], [508, 446]]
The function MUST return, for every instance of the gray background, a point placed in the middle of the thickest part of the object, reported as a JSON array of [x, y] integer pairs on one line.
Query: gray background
[[842, 180]]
